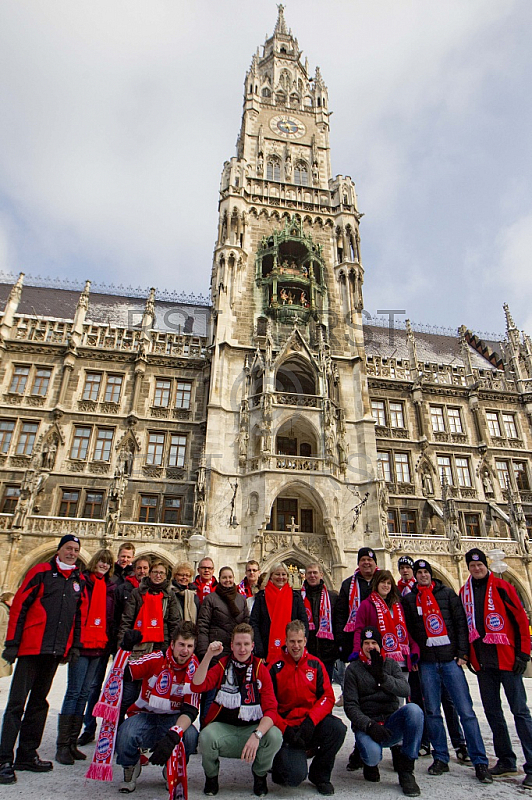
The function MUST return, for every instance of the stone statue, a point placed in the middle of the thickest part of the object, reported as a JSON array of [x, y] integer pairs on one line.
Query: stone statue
[[427, 483], [487, 483], [22, 509]]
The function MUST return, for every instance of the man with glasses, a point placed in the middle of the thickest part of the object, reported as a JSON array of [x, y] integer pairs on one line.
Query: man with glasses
[[249, 586], [205, 581]]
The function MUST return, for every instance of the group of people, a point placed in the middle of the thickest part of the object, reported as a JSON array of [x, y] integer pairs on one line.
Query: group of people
[[254, 662]]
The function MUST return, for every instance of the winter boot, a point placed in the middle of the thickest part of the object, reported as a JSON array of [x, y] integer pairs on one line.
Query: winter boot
[[77, 725], [405, 771], [396, 757], [64, 726]]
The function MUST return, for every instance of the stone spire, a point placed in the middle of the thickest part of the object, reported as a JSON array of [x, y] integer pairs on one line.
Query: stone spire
[[412, 347], [466, 354], [148, 320], [280, 25], [12, 305], [82, 308], [511, 327]]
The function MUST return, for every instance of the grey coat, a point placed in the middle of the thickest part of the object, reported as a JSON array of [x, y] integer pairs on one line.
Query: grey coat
[[365, 701]]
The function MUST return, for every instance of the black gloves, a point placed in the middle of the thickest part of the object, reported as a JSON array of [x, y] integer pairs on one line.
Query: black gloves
[[131, 638], [73, 655], [378, 732], [10, 653], [164, 748], [376, 667], [519, 665], [300, 736]]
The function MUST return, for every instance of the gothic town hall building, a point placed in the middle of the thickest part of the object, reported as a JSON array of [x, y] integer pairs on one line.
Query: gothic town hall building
[[270, 421]]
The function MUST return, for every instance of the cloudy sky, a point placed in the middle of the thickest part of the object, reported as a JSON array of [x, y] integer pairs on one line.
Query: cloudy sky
[[116, 117]]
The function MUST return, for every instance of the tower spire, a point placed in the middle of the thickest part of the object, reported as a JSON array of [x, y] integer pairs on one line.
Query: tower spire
[[280, 25]]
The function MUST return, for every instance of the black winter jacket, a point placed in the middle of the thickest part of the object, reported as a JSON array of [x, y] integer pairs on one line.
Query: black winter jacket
[[216, 623], [133, 606], [325, 649], [365, 701], [455, 621]]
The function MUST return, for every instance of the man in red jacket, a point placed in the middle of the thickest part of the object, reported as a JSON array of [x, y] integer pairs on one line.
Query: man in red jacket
[[240, 722], [499, 652], [44, 626], [306, 699]]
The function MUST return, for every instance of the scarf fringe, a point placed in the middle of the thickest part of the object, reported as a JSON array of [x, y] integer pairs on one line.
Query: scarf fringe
[[437, 641], [100, 772], [162, 703], [350, 627], [325, 635], [250, 713], [105, 711], [395, 656], [228, 699], [473, 635], [496, 638]]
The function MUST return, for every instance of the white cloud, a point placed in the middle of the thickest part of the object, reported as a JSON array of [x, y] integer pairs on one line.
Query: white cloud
[[117, 117]]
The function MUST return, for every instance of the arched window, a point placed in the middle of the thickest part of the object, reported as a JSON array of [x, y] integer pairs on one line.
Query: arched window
[[273, 170], [301, 174], [266, 92]]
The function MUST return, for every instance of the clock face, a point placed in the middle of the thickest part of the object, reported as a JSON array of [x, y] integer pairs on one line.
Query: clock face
[[289, 127]]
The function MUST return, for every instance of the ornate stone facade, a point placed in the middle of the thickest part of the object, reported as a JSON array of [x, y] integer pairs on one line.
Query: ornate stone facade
[[273, 424]]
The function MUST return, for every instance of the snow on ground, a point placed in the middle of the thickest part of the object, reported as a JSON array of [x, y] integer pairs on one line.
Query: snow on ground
[[64, 783]]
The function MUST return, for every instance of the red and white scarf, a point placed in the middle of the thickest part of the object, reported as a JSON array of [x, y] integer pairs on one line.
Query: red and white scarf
[[325, 619], [203, 589], [435, 628], [94, 633], [244, 588], [176, 770], [405, 587], [150, 620], [164, 691], [392, 629], [495, 620], [354, 602], [108, 707]]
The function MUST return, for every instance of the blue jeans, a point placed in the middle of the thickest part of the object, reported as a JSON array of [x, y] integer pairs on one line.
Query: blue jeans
[[80, 677], [449, 674], [94, 695], [489, 683], [405, 725], [143, 731]]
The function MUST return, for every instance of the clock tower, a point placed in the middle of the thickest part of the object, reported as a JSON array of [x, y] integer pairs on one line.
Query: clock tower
[[290, 444]]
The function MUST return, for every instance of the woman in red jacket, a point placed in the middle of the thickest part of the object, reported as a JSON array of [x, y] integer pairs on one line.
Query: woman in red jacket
[[97, 623]]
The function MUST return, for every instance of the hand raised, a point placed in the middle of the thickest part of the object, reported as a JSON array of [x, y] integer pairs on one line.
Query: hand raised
[[215, 648]]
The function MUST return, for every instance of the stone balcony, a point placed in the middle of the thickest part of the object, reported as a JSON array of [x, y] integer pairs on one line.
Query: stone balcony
[[292, 464], [417, 544], [95, 529]]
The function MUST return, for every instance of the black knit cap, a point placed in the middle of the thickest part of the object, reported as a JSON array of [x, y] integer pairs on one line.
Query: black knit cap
[[475, 555], [406, 561], [422, 564], [68, 537], [366, 551], [369, 632]]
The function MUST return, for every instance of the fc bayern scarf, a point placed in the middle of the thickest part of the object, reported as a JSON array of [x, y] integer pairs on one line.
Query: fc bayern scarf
[[94, 633], [176, 770], [325, 619], [108, 707], [203, 589], [150, 618], [163, 693], [392, 629], [435, 627], [244, 588], [279, 604], [243, 694], [354, 602], [495, 620], [405, 587]]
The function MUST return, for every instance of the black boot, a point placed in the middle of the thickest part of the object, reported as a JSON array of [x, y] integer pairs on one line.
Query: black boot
[[77, 725], [64, 726], [354, 762], [396, 757], [405, 770]]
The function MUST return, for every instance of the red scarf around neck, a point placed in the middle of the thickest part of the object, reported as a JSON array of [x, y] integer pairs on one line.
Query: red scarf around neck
[[94, 634], [325, 619], [203, 589], [150, 618], [405, 587], [392, 629], [244, 588], [279, 604], [354, 602], [495, 613], [433, 621]]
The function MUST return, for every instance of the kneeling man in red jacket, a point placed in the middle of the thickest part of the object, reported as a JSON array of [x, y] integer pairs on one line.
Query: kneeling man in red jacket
[[305, 702]]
